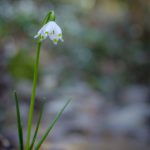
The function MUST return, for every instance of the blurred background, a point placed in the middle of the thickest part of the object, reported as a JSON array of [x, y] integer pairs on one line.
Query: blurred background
[[103, 65]]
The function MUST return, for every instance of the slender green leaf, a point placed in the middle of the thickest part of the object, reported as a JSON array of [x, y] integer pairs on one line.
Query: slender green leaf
[[37, 127], [51, 126], [20, 132]]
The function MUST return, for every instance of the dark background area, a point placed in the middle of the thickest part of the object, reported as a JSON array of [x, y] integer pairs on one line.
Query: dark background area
[[103, 65]]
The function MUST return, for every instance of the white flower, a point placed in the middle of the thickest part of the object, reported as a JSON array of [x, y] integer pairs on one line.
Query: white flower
[[51, 30]]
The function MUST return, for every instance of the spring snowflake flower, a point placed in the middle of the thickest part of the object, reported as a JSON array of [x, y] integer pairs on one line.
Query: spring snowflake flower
[[51, 30]]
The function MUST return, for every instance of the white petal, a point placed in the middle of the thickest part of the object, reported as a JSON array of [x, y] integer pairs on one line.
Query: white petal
[[54, 27], [62, 40], [37, 35], [54, 38]]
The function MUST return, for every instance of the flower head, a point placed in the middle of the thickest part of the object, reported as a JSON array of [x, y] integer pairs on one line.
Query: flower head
[[51, 30]]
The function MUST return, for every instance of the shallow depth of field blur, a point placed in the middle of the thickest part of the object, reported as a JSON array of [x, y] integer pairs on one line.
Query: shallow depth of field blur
[[103, 65]]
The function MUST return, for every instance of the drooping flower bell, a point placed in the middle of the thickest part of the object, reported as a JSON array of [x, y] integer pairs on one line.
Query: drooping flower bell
[[51, 30]]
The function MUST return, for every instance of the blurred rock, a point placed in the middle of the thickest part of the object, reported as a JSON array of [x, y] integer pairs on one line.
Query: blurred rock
[[82, 117], [5, 144], [92, 144], [134, 94], [130, 119]]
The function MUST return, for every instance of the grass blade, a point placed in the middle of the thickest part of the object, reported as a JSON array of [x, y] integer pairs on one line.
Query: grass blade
[[20, 132], [51, 126], [37, 127]]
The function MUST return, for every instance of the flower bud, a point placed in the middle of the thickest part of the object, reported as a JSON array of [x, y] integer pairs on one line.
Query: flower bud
[[49, 17]]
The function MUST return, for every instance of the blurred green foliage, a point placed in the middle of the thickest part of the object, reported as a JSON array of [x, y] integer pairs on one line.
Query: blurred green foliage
[[107, 42], [21, 66]]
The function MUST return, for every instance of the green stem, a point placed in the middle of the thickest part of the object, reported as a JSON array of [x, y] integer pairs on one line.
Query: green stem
[[33, 96]]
